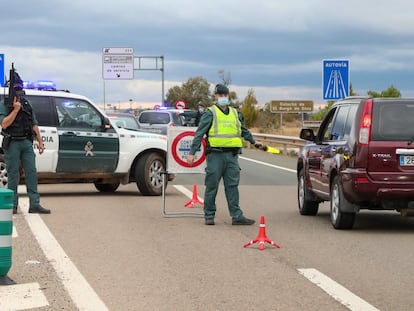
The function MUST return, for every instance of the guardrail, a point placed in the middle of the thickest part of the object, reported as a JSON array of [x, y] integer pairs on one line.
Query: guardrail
[[287, 144]]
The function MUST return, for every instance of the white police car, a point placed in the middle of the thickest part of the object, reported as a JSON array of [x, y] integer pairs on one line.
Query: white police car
[[83, 146]]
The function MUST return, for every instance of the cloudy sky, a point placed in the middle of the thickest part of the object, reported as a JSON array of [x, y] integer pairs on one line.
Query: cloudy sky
[[274, 47]]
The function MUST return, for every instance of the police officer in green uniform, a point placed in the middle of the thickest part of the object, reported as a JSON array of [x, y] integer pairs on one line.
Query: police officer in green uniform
[[19, 128], [224, 132]]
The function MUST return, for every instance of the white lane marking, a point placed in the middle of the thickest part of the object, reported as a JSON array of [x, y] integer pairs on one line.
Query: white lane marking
[[82, 294], [337, 291], [186, 192], [271, 165], [22, 297]]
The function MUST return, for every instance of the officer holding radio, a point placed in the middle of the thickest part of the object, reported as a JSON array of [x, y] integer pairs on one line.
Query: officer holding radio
[[19, 128]]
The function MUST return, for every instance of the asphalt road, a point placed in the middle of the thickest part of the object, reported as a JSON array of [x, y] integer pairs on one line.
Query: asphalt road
[[118, 252]]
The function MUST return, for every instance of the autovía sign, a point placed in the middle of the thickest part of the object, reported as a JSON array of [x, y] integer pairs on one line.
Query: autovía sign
[[335, 79], [2, 70]]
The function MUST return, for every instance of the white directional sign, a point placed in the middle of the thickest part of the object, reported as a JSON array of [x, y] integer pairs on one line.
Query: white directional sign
[[118, 63], [335, 79]]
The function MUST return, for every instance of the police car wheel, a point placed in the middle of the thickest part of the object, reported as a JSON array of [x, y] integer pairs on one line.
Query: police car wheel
[[106, 187], [148, 174]]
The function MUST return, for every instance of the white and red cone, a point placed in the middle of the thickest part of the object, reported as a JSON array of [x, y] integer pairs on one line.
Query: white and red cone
[[261, 237], [194, 199]]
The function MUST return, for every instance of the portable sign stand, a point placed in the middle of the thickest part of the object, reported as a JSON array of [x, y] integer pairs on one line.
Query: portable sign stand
[[180, 139]]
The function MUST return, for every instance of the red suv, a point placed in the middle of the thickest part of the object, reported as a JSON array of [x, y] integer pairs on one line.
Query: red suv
[[362, 157]]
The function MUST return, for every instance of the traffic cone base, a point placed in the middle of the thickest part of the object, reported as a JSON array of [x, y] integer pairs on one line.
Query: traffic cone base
[[194, 199], [261, 237]]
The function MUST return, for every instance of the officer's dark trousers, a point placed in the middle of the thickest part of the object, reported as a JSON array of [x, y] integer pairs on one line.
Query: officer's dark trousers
[[22, 150], [226, 165]]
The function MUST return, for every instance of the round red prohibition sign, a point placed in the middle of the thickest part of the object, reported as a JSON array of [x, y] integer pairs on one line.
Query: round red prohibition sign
[[181, 146], [180, 104]]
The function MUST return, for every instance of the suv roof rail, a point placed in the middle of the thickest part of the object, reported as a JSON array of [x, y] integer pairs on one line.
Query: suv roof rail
[[351, 98], [357, 97]]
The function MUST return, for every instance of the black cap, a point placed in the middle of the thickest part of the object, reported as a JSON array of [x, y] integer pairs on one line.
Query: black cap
[[221, 89]]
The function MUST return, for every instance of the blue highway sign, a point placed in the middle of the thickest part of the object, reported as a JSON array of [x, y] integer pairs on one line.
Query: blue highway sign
[[335, 79]]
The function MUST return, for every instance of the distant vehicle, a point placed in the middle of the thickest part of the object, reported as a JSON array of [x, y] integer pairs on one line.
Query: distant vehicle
[[124, 120], [158, 121], [362, 157], [190, 117]]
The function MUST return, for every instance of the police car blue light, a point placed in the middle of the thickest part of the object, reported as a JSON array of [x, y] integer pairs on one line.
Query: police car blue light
[[44, 85]]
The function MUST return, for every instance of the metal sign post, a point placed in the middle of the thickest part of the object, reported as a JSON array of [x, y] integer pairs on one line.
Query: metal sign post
[[120, 64], [117, 64], [152, 63]]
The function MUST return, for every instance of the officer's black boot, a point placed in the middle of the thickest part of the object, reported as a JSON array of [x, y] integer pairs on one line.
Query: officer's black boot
[[39, 210]]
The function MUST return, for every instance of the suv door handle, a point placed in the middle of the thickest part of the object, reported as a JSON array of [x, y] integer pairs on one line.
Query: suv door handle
[[69, 134]]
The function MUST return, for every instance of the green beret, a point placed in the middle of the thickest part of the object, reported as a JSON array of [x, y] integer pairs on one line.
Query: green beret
[[221, 89], [200, 103]]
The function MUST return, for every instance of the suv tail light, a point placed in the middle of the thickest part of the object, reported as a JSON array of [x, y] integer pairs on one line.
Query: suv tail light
[[366, 121]]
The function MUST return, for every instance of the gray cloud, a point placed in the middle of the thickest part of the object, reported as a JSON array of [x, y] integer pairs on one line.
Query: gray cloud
[[274, 47]]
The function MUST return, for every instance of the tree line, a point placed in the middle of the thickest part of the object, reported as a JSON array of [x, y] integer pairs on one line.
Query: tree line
[[197, 89]]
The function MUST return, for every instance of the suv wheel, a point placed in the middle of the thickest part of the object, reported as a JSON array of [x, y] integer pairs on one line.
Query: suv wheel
[[107, 187], [339, 219], [148, 174], [306, 206]]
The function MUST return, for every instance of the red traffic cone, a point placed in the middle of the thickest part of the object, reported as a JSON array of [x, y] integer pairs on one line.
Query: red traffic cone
[[195, 199], [261, 237]]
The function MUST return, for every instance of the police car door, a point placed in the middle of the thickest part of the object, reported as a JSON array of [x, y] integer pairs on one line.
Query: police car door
[[85, 145]]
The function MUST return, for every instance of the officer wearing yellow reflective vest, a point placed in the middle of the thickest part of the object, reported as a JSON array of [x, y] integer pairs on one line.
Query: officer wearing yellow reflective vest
[[224, 132]]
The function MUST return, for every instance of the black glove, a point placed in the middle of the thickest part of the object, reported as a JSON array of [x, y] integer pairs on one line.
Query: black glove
[[258, 145]]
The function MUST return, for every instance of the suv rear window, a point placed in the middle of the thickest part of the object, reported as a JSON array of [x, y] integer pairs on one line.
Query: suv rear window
[[177, 119], [161, 117], [392, 121], [154, 118]]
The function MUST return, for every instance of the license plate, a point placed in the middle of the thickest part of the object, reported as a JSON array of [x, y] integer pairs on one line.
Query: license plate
[[407, 160]]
